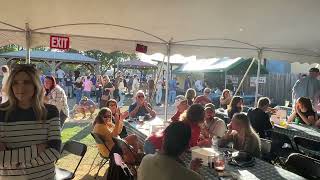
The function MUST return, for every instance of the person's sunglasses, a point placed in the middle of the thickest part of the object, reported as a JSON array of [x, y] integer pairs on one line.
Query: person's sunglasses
[[107, 117], [140, 96], [207, 92], [112, 105]]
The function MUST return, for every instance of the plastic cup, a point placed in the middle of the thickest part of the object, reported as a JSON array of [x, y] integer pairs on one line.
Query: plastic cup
[[219, 162]]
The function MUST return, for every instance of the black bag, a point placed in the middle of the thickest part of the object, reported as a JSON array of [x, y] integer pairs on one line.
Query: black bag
[[117, 171]]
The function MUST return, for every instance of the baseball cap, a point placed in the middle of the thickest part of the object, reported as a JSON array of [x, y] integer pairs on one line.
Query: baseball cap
[[314, 70]]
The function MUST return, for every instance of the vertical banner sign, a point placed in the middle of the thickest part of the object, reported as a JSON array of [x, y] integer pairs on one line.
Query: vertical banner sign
[[59, 42]]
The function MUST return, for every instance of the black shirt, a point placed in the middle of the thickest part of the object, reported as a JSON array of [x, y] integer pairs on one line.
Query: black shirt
[[260, 121], [306, 114]]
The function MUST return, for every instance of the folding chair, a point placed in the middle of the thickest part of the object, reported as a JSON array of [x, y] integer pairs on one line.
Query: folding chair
[[104, 160], [75, 148], [308, 144], [281, 146], [265, 149], [303, 165]]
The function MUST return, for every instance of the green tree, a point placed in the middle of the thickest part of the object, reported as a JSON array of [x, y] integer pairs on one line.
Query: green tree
[[109, 60], [10, 48]]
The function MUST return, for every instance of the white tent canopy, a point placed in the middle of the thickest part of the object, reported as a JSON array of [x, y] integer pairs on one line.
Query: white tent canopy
[[284, 29]]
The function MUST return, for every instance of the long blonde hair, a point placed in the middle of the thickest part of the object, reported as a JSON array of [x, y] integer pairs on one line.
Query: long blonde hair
[[38, 97]]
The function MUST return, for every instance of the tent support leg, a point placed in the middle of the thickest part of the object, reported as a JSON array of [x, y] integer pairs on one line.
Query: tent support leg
[[258, 77], [28, 42], [245, 75], [167, 83], [225, 80]]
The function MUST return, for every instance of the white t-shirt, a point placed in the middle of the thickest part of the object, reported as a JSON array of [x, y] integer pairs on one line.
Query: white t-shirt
[[60, 73]]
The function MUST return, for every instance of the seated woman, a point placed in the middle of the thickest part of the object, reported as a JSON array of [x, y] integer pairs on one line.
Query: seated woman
[[106, 129], [182, 105], [242, 135], [235, 106], [193, 117], [212, 126], [167, 163], [225, 98], [30, 140], [303, 112], [190, 95], [113, 106]]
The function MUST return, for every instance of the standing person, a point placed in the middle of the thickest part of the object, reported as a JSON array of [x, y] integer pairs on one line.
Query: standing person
[[198, 85], [107, 89], [167, 164], [5, 72], [259, 119], [78, 88], [98, 89], [303, 112], [30, 140], [225, 98], [55, 95], [190, 95], [87, 87], [69, 85], [308, 87], [235, 106], [172, 90], [135, 84], [151, 87], [129, 84], [242, 135], [159, 92], [115, 82], [122, 91], [187, 83], [60, 75]]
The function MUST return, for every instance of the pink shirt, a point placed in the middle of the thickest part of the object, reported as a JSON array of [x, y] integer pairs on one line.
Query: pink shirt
[[87, 85]]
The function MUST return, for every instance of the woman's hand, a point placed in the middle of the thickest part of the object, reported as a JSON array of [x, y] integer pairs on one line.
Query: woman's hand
[[196, 164]]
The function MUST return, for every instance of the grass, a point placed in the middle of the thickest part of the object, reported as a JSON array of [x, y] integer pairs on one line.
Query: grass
[[80, 131]]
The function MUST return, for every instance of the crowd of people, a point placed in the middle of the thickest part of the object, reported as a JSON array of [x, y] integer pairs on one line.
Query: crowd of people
[[37, 104]]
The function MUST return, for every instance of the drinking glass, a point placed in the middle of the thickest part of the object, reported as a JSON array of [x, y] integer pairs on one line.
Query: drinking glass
[[219, 162]]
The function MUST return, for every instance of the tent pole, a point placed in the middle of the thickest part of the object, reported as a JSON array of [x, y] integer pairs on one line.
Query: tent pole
[[258, 77], [167, 83], [225, 80], [245, 75], [28, 42]]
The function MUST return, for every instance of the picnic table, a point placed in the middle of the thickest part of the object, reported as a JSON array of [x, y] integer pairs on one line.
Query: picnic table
[[261, 169]]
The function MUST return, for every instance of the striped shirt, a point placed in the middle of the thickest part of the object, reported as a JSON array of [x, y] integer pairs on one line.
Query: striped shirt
[[21, 134]]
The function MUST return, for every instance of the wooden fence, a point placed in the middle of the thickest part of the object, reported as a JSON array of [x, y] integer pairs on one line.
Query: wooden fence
[[278, 87]]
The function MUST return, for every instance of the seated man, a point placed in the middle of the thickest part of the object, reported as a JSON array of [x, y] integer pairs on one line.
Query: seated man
[[167, 164], [85, 105], [259, 119], [205, 98], [141, 107], [212, 126]]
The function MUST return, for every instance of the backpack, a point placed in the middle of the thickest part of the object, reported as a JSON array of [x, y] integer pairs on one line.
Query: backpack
[[118, 170]]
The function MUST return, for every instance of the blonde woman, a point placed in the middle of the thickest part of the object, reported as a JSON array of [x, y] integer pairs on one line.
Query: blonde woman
[[225, 98], [242, 135], [29, 129], [190, 95]]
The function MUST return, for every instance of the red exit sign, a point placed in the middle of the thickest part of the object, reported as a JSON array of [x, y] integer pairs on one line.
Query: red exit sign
[[59, 42]]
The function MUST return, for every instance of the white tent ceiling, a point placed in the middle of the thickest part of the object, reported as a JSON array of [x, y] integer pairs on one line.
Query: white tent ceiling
[[285, 29]]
